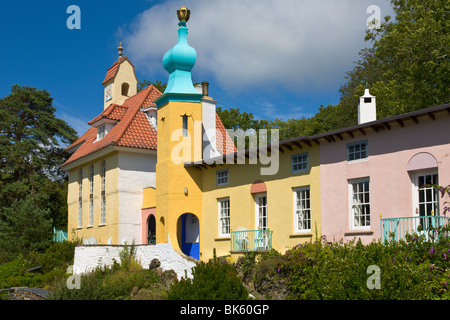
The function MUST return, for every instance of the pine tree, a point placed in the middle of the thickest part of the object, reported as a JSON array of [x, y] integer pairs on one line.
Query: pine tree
[[31, 150]]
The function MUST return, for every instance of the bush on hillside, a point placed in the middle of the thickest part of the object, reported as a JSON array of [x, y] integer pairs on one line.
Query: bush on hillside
[[212, 280]]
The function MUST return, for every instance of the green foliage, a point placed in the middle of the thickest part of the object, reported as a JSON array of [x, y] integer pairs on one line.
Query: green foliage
[[212, 280], [24, 227], [157, 84], [54, 262], [115, 283], [410, 270], [32, 186], [59, 255]]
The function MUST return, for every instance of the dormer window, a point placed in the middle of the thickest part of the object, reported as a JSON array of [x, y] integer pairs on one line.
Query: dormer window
[[151, 113], [103, 127], [101, 132]]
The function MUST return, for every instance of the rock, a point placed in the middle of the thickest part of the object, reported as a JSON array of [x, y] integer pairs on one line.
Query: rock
[[168, 277], [155, 263]]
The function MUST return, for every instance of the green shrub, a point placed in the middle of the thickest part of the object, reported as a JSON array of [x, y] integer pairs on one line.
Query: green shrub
[[104, 284], [411, 269], [14, 274], [212, 280], [58, 256]]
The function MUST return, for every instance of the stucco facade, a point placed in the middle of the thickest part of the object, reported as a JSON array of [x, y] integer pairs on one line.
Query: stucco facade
[[398, 154], [127, 173], [279, 191]]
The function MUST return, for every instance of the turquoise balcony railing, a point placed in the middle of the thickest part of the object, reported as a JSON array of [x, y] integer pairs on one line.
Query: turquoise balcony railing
[[59, 235], [394, 229], [251, 240]]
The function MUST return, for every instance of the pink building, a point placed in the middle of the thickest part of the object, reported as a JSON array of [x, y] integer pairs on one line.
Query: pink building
[[377, 168]]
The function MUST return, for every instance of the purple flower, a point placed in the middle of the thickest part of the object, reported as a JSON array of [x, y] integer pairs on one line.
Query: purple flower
[[445, 256], [431, 267]]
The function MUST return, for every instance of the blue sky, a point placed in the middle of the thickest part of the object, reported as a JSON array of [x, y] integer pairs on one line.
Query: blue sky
[[273, 58]]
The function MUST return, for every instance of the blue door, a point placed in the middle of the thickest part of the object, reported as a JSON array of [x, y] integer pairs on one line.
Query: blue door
[[190, 235]]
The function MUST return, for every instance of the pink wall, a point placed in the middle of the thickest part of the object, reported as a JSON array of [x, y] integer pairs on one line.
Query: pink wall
[[145, 214], [391, 185]]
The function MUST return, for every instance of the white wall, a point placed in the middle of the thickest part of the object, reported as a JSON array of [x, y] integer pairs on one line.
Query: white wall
[[87, 258], [209, 129], [136, 172]]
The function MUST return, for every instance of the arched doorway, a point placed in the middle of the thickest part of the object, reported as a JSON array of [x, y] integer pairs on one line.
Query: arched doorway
[[151, 227], [190, 235]]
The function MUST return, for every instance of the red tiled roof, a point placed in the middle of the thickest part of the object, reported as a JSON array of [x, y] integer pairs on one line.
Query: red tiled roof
[[113, 112], [112, 71], [225, 146], [132, 130]]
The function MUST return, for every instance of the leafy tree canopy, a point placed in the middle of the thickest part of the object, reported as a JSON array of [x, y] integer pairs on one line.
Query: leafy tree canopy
[[32, 187], [406, 68]]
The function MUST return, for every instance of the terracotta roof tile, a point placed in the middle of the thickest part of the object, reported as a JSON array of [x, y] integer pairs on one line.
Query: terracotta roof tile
[[111, 72], [132, 129], [225, 146]]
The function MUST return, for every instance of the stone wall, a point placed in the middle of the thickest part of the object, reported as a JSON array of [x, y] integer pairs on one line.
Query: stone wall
[[89, 257]]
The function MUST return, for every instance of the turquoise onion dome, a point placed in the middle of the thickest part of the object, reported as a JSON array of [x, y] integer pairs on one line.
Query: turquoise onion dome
[[180, 60]]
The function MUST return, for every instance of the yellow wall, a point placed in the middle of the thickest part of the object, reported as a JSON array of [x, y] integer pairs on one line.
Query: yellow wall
[[172, 177], [280, 202], [101, 232], [149, 198]]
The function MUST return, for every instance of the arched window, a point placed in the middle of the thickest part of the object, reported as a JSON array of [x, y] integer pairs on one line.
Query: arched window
[[103, 195], [125, 88], [91, 196], [80, 198]]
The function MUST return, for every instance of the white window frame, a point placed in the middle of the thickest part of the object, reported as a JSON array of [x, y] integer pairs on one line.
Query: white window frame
[[302, 162], [103, 194], [91, 196], [101, 132], [416, 192], [80, 198], [261, 221], [359, 152], [224, 217], [222, 180], [302, 207], [363, 205]]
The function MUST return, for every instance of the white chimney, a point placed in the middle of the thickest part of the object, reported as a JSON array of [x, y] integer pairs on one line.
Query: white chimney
[[367, 110]]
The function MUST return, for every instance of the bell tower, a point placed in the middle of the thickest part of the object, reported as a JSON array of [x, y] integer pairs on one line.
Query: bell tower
[[120, 81]]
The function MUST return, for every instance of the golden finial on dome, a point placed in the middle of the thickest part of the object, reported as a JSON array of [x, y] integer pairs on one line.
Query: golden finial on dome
[[183, 14]]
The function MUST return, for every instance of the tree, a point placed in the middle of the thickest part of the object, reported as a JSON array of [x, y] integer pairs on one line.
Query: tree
[[157, 84], [407, 67], [31, 140]]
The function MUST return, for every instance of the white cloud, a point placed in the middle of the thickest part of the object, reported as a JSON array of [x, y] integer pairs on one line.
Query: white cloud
[[257, 43]]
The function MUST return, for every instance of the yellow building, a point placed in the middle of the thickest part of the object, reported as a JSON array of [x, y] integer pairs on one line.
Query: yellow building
[[206, 202], [113, 162], [244, 210], [158, 168]]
